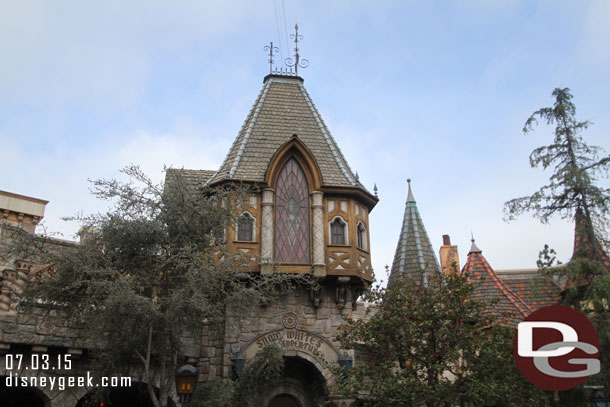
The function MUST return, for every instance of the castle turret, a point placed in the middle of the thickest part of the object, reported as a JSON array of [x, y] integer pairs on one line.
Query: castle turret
[[414, 258], [312, 214]]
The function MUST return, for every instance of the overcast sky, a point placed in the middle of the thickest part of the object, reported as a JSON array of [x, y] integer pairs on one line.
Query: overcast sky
[[437, 91]]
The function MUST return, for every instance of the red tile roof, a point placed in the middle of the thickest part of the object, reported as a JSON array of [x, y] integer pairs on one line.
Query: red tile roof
[[537, 291], [491, 287]]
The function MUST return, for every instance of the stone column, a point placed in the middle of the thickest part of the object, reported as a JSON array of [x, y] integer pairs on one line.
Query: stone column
[[267, 232], [319, 267], [12, 284]]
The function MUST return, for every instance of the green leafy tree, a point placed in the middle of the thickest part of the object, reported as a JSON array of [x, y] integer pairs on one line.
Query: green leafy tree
[[434, 345], [148, 276], [573, 193]]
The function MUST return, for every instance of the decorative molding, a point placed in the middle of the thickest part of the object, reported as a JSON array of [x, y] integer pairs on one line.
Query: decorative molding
[[267, 230], [290, 320], [294, 148], [318, 233]]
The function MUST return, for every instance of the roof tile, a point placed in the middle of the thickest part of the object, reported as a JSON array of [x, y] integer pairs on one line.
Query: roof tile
[[283, 108]]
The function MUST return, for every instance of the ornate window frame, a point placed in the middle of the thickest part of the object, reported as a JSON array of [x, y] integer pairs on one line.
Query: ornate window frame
[[301, 175], [252, 218], [362, 241], [345, 231]]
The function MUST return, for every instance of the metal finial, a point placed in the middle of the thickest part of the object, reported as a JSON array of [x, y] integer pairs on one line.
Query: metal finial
[[410, 197], [297, 61], [473, 247], [375, 189], [271, 50], [357, 176]]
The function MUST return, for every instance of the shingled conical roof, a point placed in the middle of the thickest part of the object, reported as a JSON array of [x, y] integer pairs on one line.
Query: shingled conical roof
[[414, 258], [490, 287], [283, 108]]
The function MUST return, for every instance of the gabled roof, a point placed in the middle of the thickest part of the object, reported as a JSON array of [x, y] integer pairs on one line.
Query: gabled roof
[[414, 258], [283, 108], [490, 287], [537, 290], [192, 178]]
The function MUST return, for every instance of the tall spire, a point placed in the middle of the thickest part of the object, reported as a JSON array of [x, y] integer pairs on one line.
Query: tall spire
[[414, 258], [410, 195]]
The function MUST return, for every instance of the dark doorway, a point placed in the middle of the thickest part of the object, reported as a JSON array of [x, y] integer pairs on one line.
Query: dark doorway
[[301, 386], [284, 400], [20, 396]]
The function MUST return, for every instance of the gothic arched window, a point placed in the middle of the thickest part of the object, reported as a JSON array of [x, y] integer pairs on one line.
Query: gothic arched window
[[292, 215], [362, 243], [245, 227], [337, 231]]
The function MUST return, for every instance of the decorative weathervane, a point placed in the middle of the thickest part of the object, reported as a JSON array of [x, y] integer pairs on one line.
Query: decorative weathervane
[[271, 50], [297, 62], [290, 62]]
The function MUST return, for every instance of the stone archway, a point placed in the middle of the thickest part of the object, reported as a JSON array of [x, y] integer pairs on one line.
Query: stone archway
[[303, 385], [307, 374]]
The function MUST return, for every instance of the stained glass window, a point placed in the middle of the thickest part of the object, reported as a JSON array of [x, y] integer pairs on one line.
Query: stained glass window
[[292, 215], [337, 232]]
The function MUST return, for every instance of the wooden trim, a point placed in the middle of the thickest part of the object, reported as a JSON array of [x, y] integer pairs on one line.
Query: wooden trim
[[294, 268], [294, 147], [350, 192]]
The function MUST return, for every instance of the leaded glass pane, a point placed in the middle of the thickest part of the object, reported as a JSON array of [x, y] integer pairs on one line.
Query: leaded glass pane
[[337, 232], [244, 228], [361, 237], [292, 215]]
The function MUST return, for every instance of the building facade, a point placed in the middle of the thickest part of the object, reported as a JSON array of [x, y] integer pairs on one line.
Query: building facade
[[311, 216], [307, 213]]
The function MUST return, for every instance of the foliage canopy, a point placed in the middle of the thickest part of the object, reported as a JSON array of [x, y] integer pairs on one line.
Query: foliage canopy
[[437, 345], [149, 275]]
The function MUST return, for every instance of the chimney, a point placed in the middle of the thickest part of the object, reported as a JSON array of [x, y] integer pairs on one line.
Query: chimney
[[448, 254]]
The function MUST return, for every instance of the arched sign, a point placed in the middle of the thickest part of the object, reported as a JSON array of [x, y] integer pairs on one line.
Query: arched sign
[[297, 341]]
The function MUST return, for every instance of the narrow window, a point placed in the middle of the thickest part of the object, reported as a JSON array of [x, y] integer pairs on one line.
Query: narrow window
[[361, 232], [292, 215], [245, 228], [337, 232]]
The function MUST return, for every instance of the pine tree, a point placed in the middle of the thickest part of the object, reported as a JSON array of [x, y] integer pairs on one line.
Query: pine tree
[[573, 193]]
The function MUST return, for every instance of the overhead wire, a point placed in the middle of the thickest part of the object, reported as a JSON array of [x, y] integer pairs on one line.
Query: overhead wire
[[277, 25], [285, 28]]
